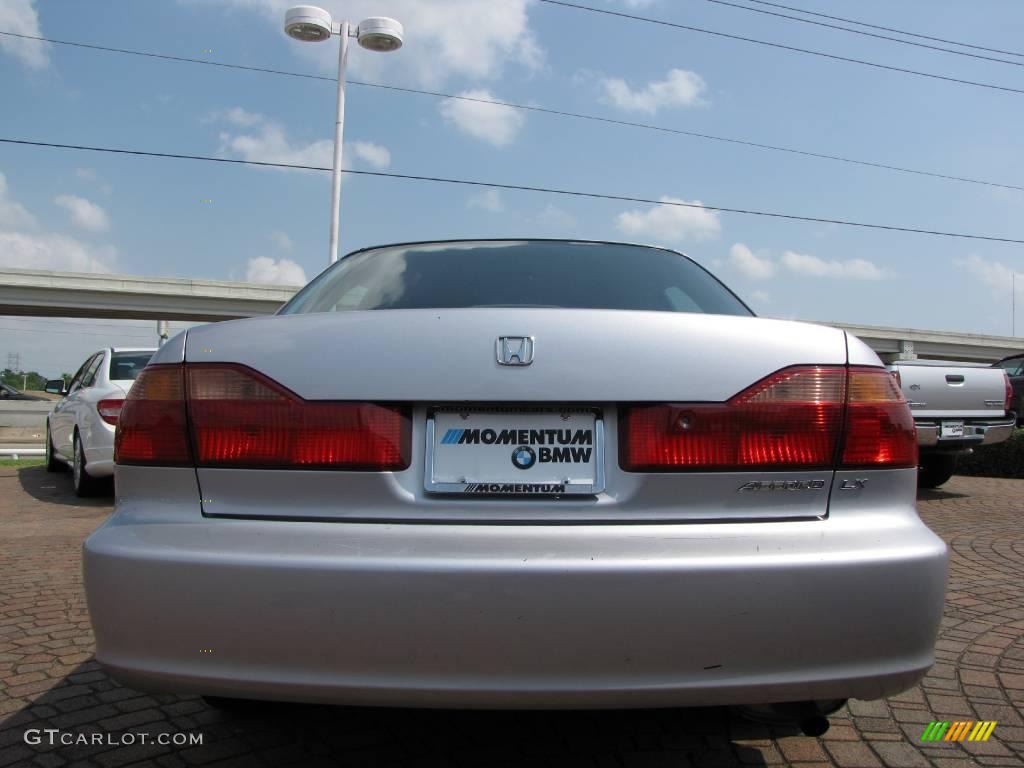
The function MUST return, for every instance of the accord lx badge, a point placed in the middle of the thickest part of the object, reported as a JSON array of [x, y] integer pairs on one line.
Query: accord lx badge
[[514, 350], [782, 485]]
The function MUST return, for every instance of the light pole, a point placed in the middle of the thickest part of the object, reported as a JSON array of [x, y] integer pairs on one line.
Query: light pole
[[311, 24]]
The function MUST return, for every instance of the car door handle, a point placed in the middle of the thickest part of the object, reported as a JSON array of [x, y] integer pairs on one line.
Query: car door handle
[[954, 378]]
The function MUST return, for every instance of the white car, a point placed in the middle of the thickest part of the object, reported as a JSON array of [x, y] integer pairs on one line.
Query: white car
[[80, 429]]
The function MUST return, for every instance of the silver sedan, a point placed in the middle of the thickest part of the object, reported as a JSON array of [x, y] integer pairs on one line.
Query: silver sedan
[[517, 474]]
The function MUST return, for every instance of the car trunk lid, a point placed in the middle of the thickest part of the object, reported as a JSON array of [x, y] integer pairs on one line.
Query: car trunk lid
[[584, 361], [590, 356]]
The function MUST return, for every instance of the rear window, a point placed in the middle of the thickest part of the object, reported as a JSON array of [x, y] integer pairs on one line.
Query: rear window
[[126, 366], [516, 274]]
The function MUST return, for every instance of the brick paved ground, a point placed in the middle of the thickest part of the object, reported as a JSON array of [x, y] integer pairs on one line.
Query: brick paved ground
[[48, 678]]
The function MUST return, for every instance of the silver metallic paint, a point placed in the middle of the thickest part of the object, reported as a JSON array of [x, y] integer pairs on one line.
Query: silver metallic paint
[[663, 590], [435, 356], [522, 615]]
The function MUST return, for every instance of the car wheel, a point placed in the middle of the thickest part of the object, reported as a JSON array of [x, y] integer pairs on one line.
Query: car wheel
[[85, 484], [53, 464], [935, 469]]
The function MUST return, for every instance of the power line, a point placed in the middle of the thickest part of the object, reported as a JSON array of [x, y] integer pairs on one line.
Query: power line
[[527, 188], [167, 57], [776, 14], [547, 111], [781, 46], [699, 135], [887, 29]]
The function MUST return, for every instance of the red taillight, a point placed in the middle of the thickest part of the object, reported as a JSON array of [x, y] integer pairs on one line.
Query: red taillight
[[109, 410], [152, 428], [879, 426], [794, 419], [242, 419], [239, 418], [1008, 390], [790, 419]]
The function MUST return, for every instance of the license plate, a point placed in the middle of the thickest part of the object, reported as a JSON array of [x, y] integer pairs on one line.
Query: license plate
[[515, 452], [952, 429]]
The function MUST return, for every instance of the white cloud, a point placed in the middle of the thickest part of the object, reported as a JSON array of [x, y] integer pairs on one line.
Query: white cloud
[[270, 144], [493, 123], [12, 213], [20, 16], [267, 142], [51, 251], [84, 213], [90, 175], [487, 200], [474, 39], [671, 222], [281, 240], [372, 154], [750, 264], [680, 88], [263, 269], [240, 117], [994, 274], [24, 246], [812, 266]]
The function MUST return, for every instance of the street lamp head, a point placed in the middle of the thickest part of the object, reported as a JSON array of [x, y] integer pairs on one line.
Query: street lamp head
[[379, 33], [307, 23]]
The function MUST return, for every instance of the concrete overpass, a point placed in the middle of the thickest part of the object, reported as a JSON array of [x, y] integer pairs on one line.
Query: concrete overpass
[[72, 294], [910, 343]]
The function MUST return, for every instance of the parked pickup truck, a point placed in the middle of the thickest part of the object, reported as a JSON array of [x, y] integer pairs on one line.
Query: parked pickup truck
[[956, 407]]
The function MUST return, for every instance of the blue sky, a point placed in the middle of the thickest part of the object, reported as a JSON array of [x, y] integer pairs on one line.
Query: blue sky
[[61, 209]]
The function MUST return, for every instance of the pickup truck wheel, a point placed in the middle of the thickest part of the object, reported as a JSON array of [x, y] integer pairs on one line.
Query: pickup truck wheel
[[935, 469]]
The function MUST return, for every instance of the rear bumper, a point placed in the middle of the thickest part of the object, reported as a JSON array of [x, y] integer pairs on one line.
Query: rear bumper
[[518, 616], [975, 433]]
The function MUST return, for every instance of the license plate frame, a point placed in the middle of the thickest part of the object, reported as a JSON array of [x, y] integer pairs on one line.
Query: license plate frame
[[951, 430], [438, 476]]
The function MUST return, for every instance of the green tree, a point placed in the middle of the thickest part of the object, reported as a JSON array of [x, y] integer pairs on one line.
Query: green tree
[[28, 380]]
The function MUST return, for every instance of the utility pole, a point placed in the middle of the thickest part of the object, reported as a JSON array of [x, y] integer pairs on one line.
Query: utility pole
[[14, 361]]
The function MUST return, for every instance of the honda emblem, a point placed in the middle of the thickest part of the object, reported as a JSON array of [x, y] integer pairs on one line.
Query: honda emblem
[[514, 350]]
